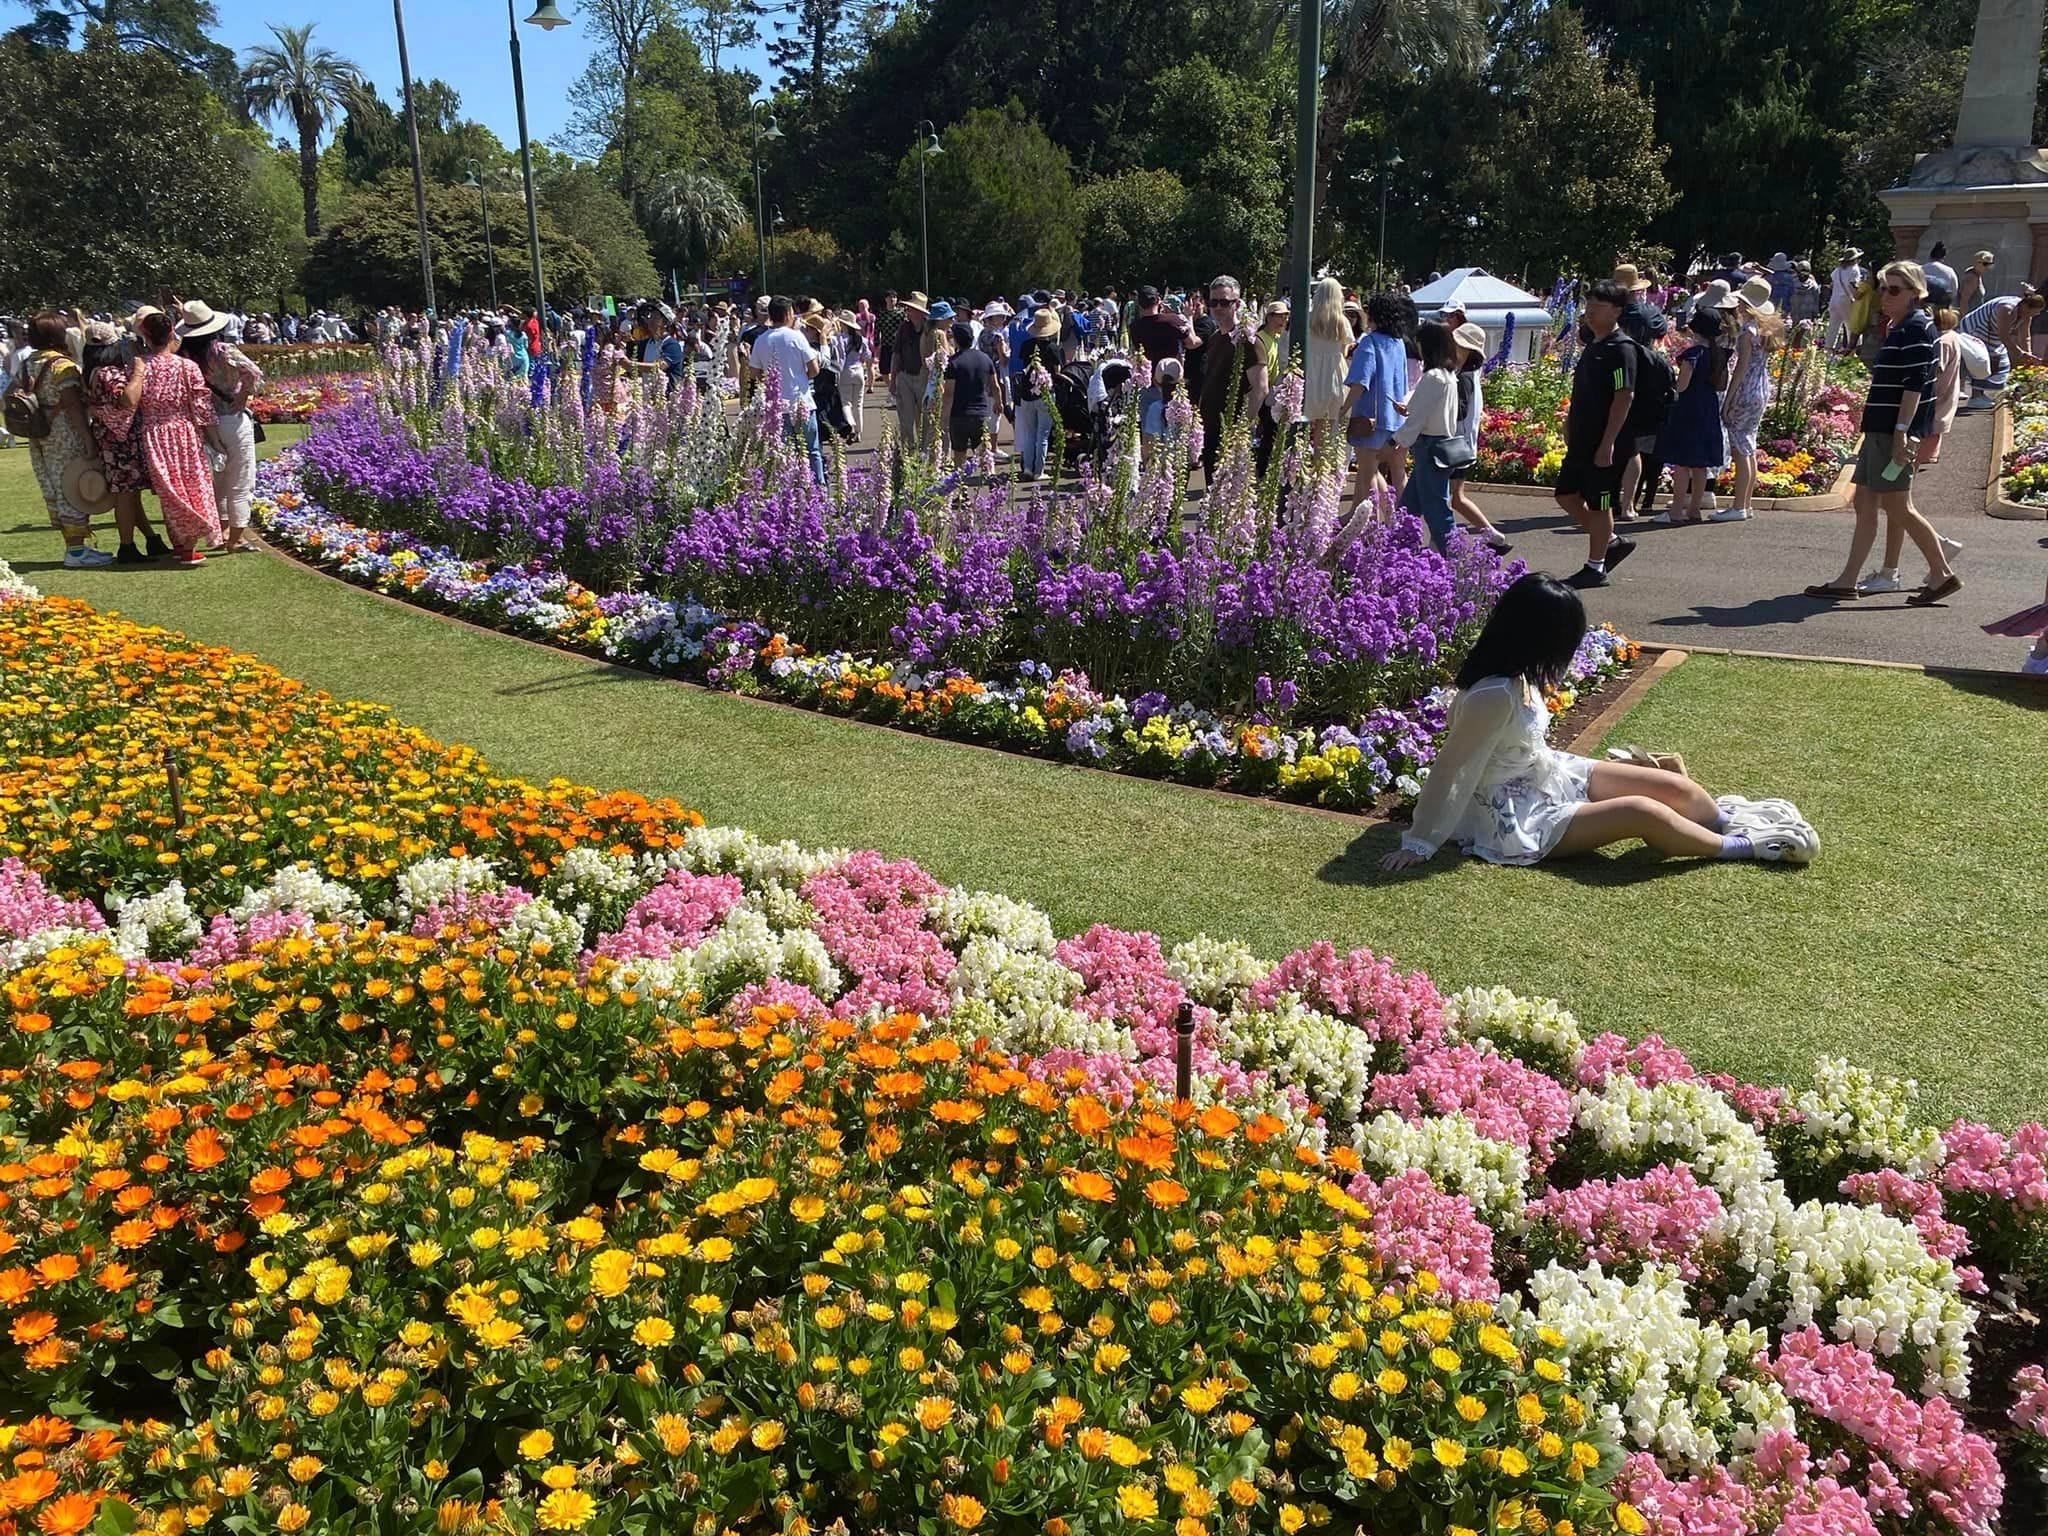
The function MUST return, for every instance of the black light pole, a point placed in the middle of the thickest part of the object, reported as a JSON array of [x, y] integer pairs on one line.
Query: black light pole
[[1386, 174], [547, 18], [474, 179], [769, 131], [412, 138], [1307, 104], [927, 146]]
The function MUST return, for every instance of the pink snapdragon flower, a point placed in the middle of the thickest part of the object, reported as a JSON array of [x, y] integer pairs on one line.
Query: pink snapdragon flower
[[29, 907], [1665, 1216], [1396, 1009], [1503, 1099], [1416, 1226], [1650, 1061], [871, 919], [677, 915]]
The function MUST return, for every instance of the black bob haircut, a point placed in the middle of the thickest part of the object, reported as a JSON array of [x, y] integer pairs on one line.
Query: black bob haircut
[[1533, 633]]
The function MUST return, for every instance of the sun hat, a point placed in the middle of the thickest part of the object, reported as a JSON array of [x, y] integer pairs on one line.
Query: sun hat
[[102, 333], [1630, 276], [848, 317], [941, 311], [1045, 324], [200, 319], [1781, 262], [85, 486], [1170, 368], [1471, 337], [1756, 293], [1276, 307], [1716, 295], [915, 300], [142, 313], [1852, 253], [998, 310]]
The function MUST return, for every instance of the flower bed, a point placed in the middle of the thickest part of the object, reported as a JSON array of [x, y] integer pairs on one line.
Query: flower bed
[[389, 1146], [297, 399], [1809, 429], [2024, 474], [1035, 709], [302, 359]]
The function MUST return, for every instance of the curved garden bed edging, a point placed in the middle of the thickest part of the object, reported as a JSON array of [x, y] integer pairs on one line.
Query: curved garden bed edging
[[1996, 502]]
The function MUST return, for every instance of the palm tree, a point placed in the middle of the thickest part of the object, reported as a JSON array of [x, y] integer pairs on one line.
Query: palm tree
[[693, 212], [311, 87]]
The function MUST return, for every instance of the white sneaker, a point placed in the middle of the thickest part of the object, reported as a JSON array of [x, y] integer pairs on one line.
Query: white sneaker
[[1795, 844], [1881, 581], [1772, 814], [1730, 515], [1950, 548], [86, 558]]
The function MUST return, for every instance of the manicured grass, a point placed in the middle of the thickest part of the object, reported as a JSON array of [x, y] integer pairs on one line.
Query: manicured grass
[[1914, 945]]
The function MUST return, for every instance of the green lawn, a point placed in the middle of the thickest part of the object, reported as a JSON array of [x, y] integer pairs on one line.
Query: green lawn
[[1913, 945]]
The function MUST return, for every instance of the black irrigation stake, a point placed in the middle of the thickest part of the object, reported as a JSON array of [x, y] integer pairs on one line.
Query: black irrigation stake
[[1184, 1052], [177, 788]]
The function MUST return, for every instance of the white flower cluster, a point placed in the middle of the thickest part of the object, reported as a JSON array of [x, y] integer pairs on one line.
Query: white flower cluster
[[961, 915], [1536, 1029], [299, 888], [745, 949], [540, 921], [16, 953], [430, 882], [588, 874], [1215, 972], [1324, 1057], [1493, 1175], [1672, 1383], [731, 851], [13, 589], [1852, 1115], [154, 927]]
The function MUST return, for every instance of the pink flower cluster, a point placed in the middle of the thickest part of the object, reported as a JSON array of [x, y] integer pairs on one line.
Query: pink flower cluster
[[1399, 1009], [1126, 983], [1916, 1200], [1925, 1443], [1666, 1216], [1416, 1226], [1650, 1061], [2011, 1172], [1764, 1108], [1503, 1099], [1781, 1492], [2030, 1400], [492, 909], [226, 940], [871, 919], [678, 914], [27, 906]]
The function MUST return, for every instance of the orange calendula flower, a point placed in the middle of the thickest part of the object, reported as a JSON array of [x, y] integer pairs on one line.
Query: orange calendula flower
[[1166, 1192], [1086, 1184]]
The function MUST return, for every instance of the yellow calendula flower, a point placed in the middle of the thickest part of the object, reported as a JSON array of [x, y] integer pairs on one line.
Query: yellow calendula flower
[[560, 1476], [653, 1332], [1198, 1397], [1181, 1479], [1242, 1493], [1391, 1381], [934, 1413], [1444, 1359], [566, 1509], [1548, 1369], [1345, 1385], [1513, 1462], [610, 1272], [1125, 1452], [1135, 1502], [536, 1444], [1398, 1454], [807, 1208], [1470, 1408], [292, 1517], [767, 1434], [673, 1431], [1449, 1454], [1628, 1519], [1292, 1518]]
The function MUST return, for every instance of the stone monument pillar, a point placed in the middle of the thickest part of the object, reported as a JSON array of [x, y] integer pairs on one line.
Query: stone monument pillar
[[1990, 191]]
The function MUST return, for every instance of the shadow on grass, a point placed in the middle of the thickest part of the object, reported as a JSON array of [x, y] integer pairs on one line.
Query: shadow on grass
[[562, 681], [2029, 693], [1359, 864]]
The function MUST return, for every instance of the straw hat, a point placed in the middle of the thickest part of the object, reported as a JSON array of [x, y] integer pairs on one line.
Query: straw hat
[[849, 318], [1631, 277], [1852, 253], [101, 333], [200, 319], [1471, 337], [1756, 293], [917, 301], [1045, 324], [142, 313], [86, 488]]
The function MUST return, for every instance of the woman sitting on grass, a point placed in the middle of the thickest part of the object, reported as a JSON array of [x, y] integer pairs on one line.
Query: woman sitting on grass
[[1503, 794]]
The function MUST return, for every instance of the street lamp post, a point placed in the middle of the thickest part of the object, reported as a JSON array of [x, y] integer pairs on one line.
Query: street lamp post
[[1386, 171], [412, 137], [547, 18], [1307, 105], [770, 132], [927, 146], [475, 179]]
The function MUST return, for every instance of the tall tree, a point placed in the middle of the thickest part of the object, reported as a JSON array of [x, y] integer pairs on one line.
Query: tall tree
[[100, 207], [309, 87], [587, 210], [177, 29], [609, 107], [810, 49], [691, 213], [720, 26], [1002, 203]]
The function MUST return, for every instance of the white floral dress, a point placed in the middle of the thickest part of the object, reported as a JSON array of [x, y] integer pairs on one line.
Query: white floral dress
[[1498, 789]]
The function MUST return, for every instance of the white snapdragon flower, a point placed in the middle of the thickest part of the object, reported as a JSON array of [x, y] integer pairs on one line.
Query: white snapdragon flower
[[1493, 1175], [960, 915], [1542, 1033], [430, 882], [299, 888], [1324, 1057], [1215, 972], [154, 927]]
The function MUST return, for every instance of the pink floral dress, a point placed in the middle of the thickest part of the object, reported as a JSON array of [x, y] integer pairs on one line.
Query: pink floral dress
[[176, 413]]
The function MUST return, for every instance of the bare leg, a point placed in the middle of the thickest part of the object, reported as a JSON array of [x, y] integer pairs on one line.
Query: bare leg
[[1463, 504], [1904, 515], [1699, 494], [1616, 781], [1631, 479], [127, 515], [1393, 466], [1745, 478], [1599, 525], [1600, 822], [1865, 504]]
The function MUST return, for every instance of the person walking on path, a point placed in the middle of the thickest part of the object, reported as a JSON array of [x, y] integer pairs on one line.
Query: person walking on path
[[60, 443], [1898, 409], [1038, 360], [1323, 371], [1234, 380], [233, 381], [1376, 383], [1603, 390], [117, 434], [1691, 443], [910, 371], [1847, 276], [1471, 344], [1430, 424], [1742, 411], [1948, 384], [177, 414], [1976, 281]]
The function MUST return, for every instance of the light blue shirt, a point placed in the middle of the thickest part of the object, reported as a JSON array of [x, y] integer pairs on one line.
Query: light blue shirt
[[1379, 366]]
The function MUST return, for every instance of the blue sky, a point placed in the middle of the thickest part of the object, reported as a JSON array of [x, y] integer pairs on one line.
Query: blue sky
[[460, 41]]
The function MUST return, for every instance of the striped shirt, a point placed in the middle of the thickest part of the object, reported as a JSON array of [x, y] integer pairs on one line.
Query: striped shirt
[[1905, 364]]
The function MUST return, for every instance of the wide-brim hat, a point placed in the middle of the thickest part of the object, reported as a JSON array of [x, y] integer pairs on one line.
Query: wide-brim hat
[[848, 317], [86, 488], [812, 307], [1045, 323], [1756, 293], [1781, 262], [918, 302], [198, 318], [941, 311], [1471, 337], [1852, 253], [1630, 277], [101, 333], [998, 311], [142, 313]]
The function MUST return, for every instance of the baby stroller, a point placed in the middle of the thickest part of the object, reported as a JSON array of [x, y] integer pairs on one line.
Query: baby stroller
[[1091, 399], [1077, 420]]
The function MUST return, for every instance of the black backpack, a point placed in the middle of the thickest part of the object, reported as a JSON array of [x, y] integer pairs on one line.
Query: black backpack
[[1656, 388]]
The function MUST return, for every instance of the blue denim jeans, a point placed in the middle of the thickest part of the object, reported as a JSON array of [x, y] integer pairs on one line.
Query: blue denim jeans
[[1428, 494], [1034, 432], [804, 428]]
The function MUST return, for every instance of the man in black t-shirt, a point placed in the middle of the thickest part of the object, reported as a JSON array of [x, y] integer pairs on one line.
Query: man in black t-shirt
[[970, 393], [1603, 388], [1156, 333]]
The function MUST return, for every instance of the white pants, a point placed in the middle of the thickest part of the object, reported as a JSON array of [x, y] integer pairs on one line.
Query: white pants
[[853, 389], [234, 483]]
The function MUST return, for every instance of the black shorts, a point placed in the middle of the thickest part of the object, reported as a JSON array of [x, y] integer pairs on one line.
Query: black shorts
[[1580, 476], [965, 432]]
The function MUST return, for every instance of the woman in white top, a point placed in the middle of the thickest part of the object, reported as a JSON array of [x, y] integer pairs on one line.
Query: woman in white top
[[1432, 422], [1329, 350], [1470, 341], [1503, 794]]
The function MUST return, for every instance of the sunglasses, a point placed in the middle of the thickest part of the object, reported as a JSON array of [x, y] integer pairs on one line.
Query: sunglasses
[[1215, 301], [1894, 289]]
